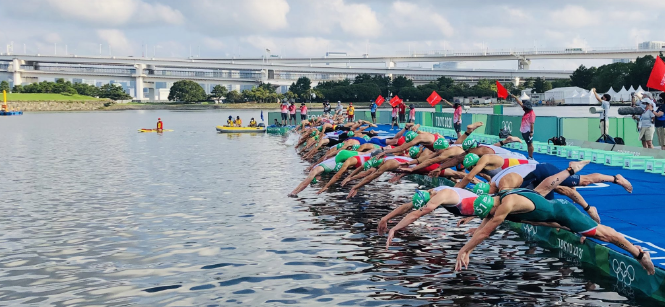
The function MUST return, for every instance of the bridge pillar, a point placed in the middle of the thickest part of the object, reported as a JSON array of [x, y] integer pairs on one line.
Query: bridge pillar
[[523, 64], [16, 72], [138, 78]]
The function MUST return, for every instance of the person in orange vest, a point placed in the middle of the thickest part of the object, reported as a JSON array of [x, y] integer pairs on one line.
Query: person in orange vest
[[160, 125]]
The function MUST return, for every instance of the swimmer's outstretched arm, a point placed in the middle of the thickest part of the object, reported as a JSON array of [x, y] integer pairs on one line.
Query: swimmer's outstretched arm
[[472, 173], [352, 175], [362, 174], [489, 224], [383, 223], [449, 163], [414, 216], [337, 176]]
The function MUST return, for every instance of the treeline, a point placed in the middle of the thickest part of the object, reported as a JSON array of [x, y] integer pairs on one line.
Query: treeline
[[60, 86], [616, 75]]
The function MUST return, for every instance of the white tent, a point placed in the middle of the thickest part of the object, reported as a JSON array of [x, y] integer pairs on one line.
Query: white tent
[[524, 96], [572, 99], [586, 98], [639, 90], [622, 95], [631, 90], [561, 93], [612, 93]]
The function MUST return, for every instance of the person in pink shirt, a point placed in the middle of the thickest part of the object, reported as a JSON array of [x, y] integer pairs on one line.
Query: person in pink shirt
[[285, 112], [528, 121], [394, 115], [303, 111], [292, 110], [412, 113], [457, 117]]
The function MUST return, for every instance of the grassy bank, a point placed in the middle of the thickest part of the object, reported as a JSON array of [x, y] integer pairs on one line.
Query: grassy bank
[[48, 97]]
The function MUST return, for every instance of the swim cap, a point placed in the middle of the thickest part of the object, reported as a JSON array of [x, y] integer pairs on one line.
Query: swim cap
[[483, 205], [313, 133], [316, 137], [470, 160], [355, 147], [320, 128], [350, 134], [409, 136], [468, 144], [375, 162], [366, 166], [366, 138], [441, 143], [338, 167], [481, 188], [420, 199], [339, 146], [414, 151], [314, 180]]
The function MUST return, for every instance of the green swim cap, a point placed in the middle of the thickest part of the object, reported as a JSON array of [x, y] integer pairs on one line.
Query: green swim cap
[[366, 166], [441, 143], [481, 188], [355, 147], [470, 160], [350, 134], [414, 151], [366, 138], [338, 167], [339, 146], [320, 128], [374, 162], [420, 199], [469, 144], [483, 205], [316, 137], [313, 133], [314, 180], [409, 136]]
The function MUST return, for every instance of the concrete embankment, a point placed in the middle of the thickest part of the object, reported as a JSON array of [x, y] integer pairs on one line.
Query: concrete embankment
[[31, 106]]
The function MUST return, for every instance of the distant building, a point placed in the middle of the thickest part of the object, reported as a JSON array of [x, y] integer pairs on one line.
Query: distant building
[[621, 61], [650, 45], [446, 65]]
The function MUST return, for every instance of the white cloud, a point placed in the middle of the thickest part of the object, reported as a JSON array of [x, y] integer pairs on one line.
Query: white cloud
[[336, 17], [419, 19], [574, 16], [113, 13], [116, 41], [492, 32], [231, 17], [214, 44]]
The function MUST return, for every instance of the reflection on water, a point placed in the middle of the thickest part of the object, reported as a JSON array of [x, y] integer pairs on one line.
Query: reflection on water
[[95, 213]]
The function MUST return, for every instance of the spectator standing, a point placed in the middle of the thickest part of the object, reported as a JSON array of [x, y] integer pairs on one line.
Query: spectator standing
[[350, 112], [372, 109], [402, 112], [412, 113], [339, 109], [659, 122], [394, 118], [604, 115], [646, 126], [285, 112], [528, 121], [326, 107], [292, 110], [457, 117], [303, 111]]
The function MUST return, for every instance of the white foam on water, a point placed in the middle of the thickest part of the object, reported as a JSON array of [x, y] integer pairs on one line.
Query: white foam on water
[[291, 138]]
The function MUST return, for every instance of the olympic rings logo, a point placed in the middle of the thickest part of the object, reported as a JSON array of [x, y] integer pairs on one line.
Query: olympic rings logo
[[624, 273]]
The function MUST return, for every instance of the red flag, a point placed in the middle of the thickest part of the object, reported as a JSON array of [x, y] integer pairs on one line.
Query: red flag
[[379, 100], [501, 91], [433, 99], [657, 77], [394, 101]]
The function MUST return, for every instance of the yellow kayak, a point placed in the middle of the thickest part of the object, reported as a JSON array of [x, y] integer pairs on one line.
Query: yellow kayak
[[223, 129], [154, 130]]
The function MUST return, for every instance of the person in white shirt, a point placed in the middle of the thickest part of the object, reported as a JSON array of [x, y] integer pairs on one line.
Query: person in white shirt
[[604, 115]]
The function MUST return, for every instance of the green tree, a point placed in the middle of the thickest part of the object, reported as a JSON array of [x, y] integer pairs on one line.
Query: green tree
[[218, 92], [401, 82], [561, 83], [114, 92], [362, 78], [4, 86], [234, 97], [582, 77], [86, 89], [17, 89], [541, 85], [301, 87], [384, 83], [187, 91]]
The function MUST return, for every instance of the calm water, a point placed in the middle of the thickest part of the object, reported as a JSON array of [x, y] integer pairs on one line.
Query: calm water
[[94, 213]]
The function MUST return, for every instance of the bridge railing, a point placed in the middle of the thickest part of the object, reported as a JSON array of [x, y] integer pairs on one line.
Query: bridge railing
[[499, 52], [208, 74]]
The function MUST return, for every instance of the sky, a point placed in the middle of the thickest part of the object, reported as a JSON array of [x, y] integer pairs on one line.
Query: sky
[[310, 28]]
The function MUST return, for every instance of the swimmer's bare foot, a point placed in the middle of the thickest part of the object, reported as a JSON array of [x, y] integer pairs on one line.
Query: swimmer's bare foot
[[578, 165], [646, 262], [292, 195], [593, 213], [624, 183], [474, 126], [512, 139]]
